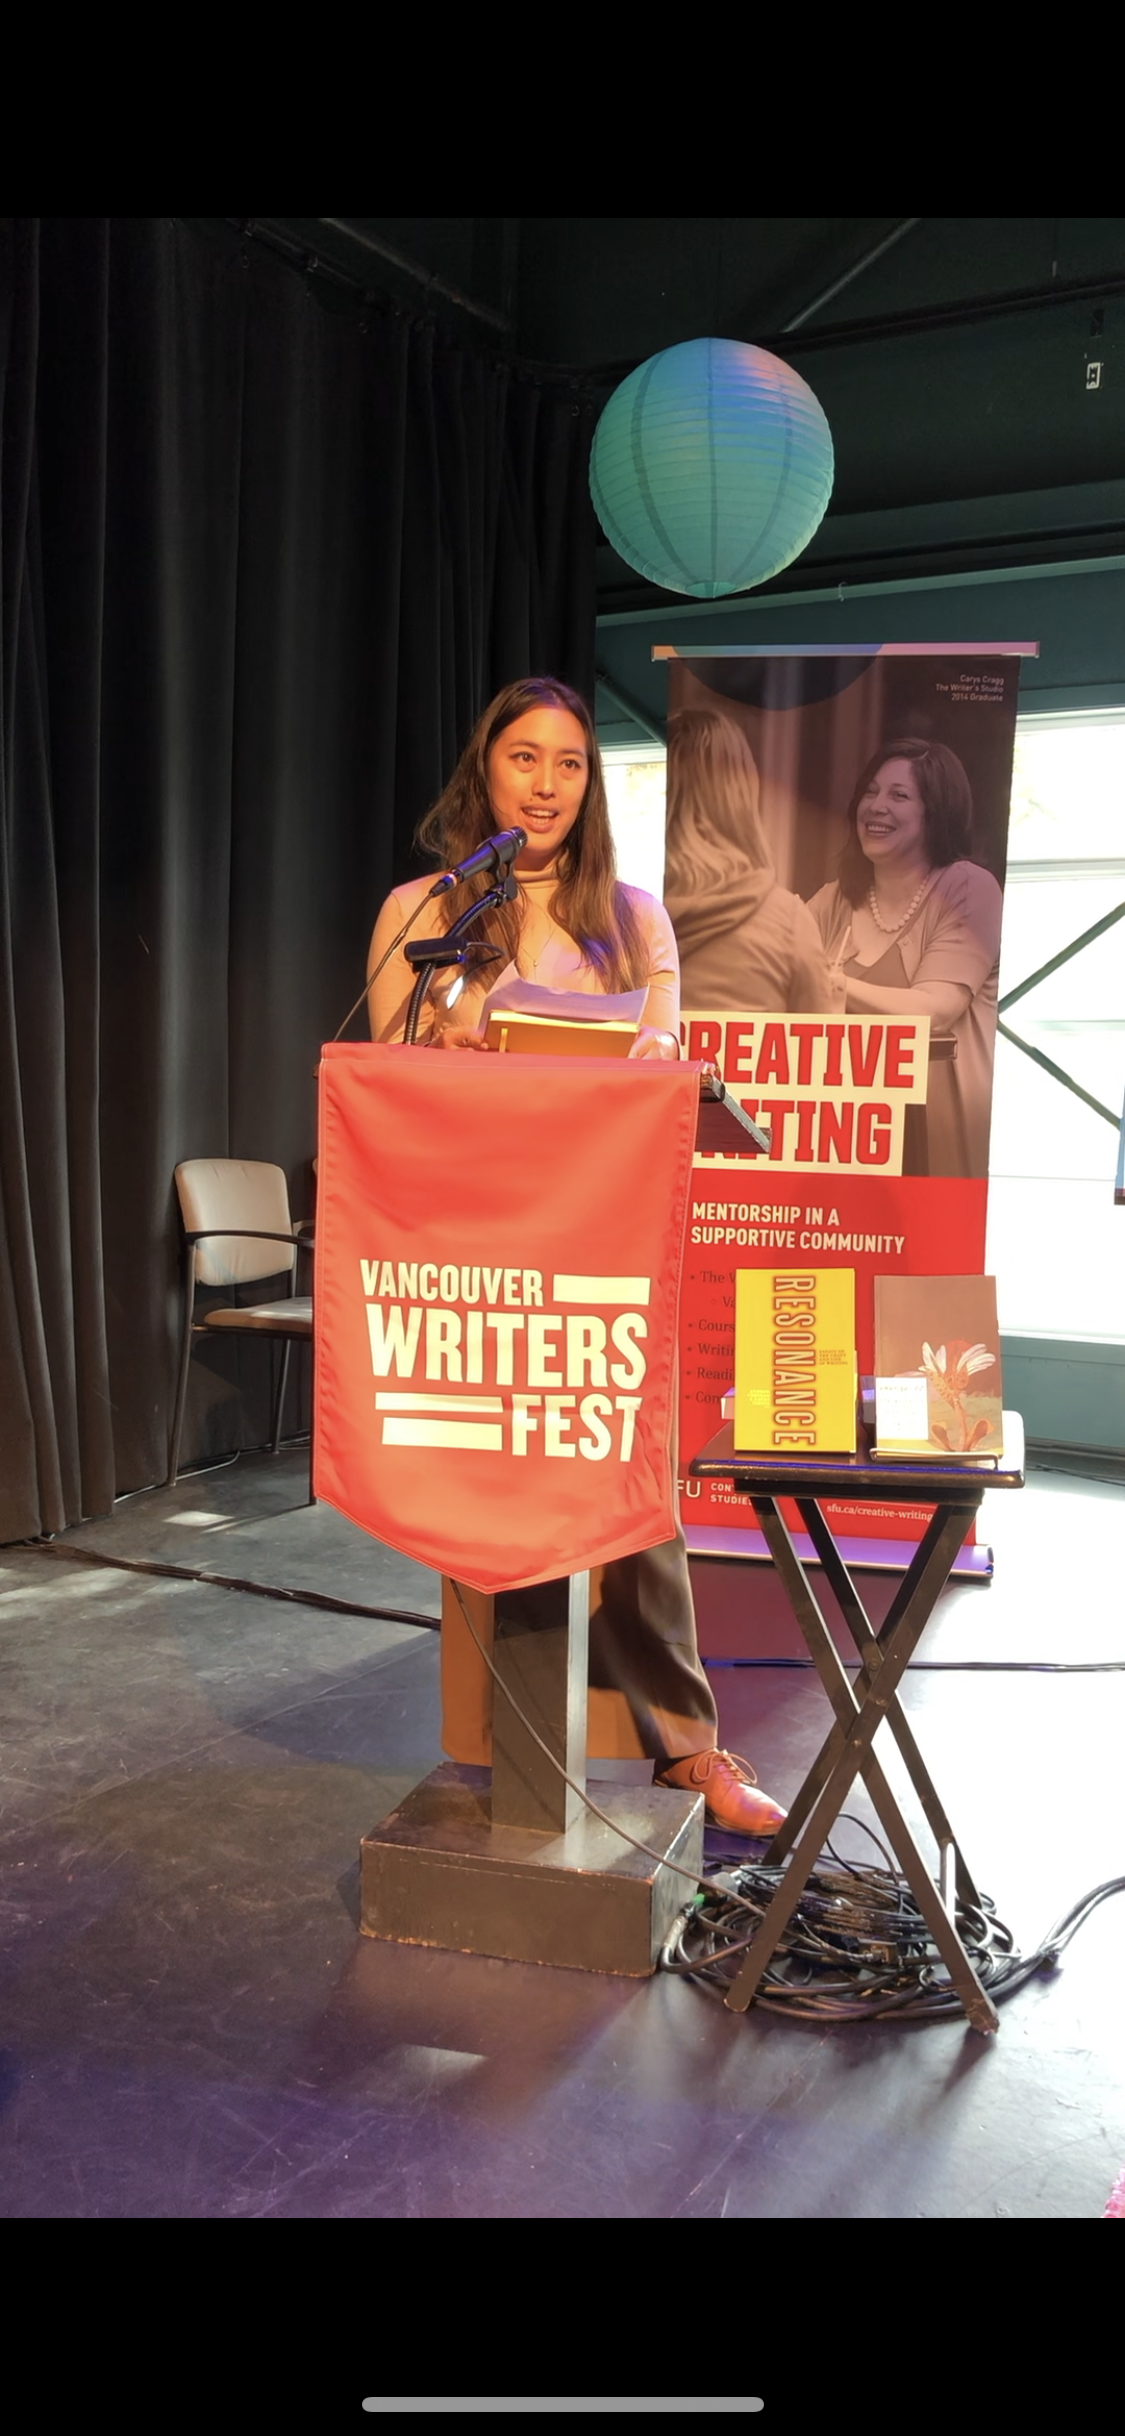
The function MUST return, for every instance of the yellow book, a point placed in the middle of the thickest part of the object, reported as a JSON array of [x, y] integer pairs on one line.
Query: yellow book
[[550, 1036], [794, 1361]]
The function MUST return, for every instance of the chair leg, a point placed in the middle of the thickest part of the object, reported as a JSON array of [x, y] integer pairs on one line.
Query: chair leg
[[312, 1419], [279, 1399], [181, 1383]]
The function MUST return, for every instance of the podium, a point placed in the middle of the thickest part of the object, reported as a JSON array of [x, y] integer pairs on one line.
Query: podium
[[510, 1861]]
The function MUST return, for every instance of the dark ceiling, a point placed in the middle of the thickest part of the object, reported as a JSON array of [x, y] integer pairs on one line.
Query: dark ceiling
[[951, 356]]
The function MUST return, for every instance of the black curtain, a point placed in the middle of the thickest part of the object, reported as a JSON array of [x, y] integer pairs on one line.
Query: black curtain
[[265, 555]]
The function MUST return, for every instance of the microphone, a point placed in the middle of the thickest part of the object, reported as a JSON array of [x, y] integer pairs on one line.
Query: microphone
[[497, 854]]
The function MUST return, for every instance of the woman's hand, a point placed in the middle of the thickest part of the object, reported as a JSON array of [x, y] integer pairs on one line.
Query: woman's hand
[[663, 1045], [458, 1036]]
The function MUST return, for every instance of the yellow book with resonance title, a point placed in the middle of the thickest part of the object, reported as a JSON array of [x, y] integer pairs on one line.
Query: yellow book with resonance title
[[794, 1361]]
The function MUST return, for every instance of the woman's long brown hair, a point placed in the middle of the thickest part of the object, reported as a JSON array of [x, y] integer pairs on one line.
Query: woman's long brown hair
[[589, 901]]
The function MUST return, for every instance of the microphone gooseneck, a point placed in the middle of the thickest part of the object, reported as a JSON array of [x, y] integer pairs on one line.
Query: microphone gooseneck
[[497, 854]]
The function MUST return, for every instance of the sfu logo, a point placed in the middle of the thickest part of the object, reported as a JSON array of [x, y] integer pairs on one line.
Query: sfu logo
[[474, 1358]]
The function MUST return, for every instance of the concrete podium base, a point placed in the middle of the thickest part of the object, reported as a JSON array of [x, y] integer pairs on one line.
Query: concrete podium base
[[437, 1872]]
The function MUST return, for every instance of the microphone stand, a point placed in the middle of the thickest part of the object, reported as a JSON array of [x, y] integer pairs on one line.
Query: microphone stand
[[427, 954]]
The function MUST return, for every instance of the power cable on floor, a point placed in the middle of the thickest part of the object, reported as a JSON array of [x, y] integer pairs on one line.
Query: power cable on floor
[[957, 1666], [412, 1615], [231, 1581], [857, 1947]]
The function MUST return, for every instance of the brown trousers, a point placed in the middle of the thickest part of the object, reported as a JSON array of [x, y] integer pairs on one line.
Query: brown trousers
[[649, 1696]]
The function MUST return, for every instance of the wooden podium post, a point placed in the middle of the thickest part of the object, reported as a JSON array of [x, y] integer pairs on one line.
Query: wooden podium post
[[511, 1862]]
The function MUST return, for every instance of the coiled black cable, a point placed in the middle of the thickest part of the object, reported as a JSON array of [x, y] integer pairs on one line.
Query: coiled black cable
[[857, 1947]]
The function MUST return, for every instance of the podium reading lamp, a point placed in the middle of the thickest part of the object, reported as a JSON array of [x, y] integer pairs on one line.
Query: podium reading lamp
[[523, 1868]]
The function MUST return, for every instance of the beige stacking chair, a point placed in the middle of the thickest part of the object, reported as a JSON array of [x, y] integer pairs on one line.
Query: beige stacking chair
[[237, 1230]]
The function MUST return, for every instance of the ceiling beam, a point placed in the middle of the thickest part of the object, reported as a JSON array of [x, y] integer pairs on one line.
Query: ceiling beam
[[901, 229]]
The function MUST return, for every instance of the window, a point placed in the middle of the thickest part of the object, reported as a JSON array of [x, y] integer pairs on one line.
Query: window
[[634, 779], [1055, 1240]]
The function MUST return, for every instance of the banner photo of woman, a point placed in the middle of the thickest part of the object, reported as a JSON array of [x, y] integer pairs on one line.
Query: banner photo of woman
[[836, 840], [837, 831]]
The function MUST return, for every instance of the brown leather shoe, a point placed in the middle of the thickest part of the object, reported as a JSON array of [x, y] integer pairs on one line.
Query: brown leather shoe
[[729, 1788]]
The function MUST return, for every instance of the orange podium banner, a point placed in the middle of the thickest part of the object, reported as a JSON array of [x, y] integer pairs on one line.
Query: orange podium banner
[[498, 1258]]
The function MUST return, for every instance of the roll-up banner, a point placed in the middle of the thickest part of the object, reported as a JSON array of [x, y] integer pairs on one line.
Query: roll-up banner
[[836, 841]]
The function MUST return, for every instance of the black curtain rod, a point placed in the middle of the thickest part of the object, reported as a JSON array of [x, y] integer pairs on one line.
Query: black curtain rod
[[303, 257], [430, 281]]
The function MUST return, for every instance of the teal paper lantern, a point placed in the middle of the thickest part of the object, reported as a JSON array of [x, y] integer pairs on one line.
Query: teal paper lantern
[[711, 467]]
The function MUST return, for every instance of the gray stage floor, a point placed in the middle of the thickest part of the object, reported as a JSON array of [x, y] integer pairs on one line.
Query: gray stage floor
[[194, 2028], [242, 1523]]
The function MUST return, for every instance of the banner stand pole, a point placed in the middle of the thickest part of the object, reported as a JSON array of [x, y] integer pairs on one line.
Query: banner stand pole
[[509, 1862], [541, 1652]]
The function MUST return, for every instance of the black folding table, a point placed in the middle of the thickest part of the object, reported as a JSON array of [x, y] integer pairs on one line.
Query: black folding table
[[955, 1490]]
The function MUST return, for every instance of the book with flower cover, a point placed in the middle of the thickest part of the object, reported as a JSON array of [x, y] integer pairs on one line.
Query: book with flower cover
[[937, 1368]]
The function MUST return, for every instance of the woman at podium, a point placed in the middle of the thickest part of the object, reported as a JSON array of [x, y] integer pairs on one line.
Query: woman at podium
[[532, 763]]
